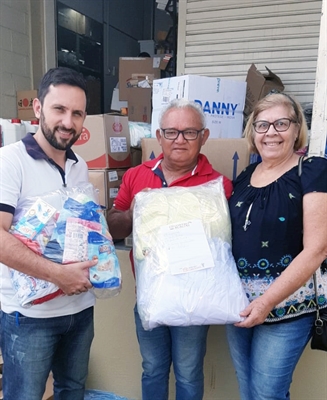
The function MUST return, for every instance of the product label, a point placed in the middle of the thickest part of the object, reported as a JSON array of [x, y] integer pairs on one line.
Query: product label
[[186, 246], [118, 145]]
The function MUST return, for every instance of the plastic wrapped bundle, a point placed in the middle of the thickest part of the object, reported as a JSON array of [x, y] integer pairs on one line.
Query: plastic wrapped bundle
[[185, 271], [65, 226], [138, 131]]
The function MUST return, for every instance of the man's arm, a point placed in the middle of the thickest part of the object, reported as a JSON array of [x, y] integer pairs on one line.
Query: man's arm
[[120, 223], [70, 278]]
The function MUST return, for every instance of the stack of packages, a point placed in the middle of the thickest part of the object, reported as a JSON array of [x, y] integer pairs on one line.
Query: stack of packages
[[105, 146]]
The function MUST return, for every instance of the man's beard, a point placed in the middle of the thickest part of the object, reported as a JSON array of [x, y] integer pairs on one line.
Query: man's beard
[[50, 135]]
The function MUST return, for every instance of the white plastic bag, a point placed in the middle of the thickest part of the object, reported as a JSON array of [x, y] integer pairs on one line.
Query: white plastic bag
[[185, 271], [138, 131]]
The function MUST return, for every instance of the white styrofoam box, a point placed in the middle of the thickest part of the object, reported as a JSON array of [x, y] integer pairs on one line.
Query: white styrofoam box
[[12, 130], [117, 104], [222, 101]]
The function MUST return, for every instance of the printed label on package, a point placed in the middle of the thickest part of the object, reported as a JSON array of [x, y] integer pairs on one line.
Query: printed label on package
[[186, 246], [113, 176], [118, 145]]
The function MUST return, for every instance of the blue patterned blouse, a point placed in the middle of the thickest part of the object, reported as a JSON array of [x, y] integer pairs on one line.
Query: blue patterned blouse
[[267, 233]]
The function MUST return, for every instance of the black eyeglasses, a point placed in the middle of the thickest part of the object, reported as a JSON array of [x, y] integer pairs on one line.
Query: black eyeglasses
[[280, 125], [188, 134]]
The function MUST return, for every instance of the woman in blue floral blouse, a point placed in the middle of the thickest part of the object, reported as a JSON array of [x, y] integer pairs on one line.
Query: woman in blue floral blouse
[[279, 227]]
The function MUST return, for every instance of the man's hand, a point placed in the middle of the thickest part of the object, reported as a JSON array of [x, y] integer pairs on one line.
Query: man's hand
[[131, 208], [74, 278]]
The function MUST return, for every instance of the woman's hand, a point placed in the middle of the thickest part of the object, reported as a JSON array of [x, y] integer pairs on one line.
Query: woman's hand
[[255, 313]]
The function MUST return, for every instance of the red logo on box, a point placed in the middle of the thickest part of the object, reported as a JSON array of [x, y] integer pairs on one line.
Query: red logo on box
[[84, 137], [25, 103], [117, 127]]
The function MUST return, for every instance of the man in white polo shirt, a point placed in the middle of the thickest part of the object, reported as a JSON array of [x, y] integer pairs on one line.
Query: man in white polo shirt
[[55, 335]]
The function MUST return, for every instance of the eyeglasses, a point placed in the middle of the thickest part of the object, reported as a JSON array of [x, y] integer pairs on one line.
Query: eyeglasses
[[280, 125], [188, 134]]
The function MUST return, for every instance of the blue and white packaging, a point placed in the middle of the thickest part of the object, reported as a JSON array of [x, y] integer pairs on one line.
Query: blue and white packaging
[[222, 101]]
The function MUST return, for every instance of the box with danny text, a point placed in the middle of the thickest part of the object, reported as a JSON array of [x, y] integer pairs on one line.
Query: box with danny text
[[222, 101]]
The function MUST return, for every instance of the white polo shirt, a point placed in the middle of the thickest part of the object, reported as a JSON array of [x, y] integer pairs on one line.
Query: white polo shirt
[[25, 170]]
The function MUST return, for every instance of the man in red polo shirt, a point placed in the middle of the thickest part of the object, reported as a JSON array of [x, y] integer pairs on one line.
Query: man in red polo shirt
[[181, 135]]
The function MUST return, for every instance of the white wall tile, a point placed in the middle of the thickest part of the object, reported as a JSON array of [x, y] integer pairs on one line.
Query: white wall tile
[[5, 38], [20, 43], [7, 86], [21, 5], [13, 19], [8, 107], [15, 53]]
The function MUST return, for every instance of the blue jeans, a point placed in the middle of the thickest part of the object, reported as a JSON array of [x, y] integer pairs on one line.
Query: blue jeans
[[265, 356], [32, 347], [185, 347]]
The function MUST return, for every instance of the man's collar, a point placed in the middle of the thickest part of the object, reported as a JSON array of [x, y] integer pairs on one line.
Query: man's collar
[[36, 152]]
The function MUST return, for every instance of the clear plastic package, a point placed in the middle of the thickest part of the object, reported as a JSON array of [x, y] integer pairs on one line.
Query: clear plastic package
[[185, 271], [65, 226]]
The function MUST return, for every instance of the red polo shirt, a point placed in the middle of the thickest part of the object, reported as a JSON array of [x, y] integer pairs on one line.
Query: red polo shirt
[[149, 175]]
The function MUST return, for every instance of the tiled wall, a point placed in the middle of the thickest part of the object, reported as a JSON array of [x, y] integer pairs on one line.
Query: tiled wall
[[15, 50]]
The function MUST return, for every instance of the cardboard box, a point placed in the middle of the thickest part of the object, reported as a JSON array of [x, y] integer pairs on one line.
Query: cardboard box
[[104, 142], [165, 59], [161, 36], [136, 156], [138, 67], [25, 104], [259, 85], [108, 183], [139, 104], [222, 101], [227, 156]]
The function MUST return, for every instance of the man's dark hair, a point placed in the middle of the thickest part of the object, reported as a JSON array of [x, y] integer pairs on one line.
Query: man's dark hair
[[60, 76]]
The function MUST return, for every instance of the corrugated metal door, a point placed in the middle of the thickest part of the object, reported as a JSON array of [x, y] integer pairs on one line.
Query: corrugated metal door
[[224, 37]]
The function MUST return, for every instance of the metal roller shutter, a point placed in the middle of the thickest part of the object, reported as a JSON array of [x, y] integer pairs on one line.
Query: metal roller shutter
[[223, 38]]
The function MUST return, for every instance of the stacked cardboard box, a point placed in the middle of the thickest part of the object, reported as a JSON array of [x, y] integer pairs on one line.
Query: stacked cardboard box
[[105, 142], [132, 70], [25, 104], [105, 146], [259, 85], [228, 156], [107, 182], [136, 76]]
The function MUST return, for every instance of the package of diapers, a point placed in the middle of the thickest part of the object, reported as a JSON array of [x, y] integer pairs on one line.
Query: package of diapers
[[185, 270], [65, 226]]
